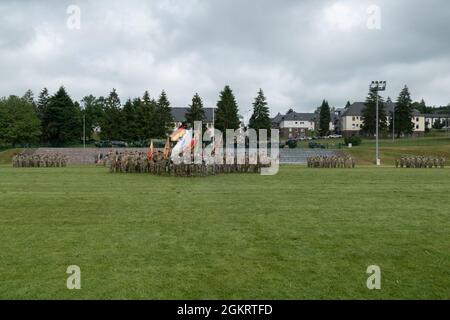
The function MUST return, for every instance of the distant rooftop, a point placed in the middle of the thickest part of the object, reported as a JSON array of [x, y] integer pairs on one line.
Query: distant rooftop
[[356, 108]]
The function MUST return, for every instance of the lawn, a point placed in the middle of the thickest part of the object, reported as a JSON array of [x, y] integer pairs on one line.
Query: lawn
[[390, 150], [436, 144], [302, 234]]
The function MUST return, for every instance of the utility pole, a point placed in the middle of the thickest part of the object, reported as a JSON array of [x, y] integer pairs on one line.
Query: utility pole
[[377, 86], [84, 131], [393, 122]]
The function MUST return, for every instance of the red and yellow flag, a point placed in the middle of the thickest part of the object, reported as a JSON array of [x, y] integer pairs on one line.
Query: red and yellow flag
[[167, 149], [150, 151], [177, 134]]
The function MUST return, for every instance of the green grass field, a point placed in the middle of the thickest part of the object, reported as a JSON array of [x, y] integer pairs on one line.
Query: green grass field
[[435, 144], [302, 234]]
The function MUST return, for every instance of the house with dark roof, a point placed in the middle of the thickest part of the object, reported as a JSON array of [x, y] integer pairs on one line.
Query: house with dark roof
[[294, 124], [297, 125], [351, 119]]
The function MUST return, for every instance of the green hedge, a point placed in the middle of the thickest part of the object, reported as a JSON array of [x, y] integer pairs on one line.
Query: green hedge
[[354, 140]]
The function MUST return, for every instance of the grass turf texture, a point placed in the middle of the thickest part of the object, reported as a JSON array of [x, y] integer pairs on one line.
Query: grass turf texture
[[304, 233]]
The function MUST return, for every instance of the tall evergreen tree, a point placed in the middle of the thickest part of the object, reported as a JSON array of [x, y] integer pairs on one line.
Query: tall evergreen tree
[[147, 118], [163, 117], [29, 97], [260, 118], [42, 103], [61, 120], [404, 113], [111, 128], [130, 123], [227, 111], [195, 112], [369, 115], [324, 119]]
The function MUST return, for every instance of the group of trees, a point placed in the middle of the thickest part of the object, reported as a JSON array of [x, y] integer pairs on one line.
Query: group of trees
[[57, 120], [401, 116]]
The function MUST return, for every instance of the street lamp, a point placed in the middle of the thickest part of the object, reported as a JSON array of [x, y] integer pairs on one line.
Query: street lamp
[[393, 122], [377, 86], [84, 130]]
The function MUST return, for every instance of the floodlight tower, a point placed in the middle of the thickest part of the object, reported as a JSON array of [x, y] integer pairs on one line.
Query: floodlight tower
[[377, 86]]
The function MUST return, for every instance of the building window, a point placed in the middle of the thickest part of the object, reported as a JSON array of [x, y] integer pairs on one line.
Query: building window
[[353, 119], [417, 119], [417, 126]]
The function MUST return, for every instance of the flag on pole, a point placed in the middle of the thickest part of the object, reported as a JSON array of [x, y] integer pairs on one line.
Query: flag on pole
[[167, 149], [150, 151], [177, 134]]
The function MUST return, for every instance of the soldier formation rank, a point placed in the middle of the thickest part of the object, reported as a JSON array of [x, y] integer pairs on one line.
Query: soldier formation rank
[[331, 162], [139, 162], [39, 160], [420, 162]]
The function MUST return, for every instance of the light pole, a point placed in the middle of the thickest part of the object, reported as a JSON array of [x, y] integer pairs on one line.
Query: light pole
[[393, 122], [84, 131], [448, 114], [377, 86]]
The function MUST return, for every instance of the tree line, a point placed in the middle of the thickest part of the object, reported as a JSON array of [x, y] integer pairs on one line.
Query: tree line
[[57, 120]]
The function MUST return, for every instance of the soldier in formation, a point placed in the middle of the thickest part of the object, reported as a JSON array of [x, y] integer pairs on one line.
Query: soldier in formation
[[138, 162], [39, 160], [420, 162], [331, 162]]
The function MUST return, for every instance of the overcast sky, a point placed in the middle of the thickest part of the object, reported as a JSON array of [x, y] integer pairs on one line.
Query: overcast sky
[[298, 52]]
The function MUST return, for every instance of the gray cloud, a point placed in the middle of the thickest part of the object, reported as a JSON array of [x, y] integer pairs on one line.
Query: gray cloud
[[299, 52]]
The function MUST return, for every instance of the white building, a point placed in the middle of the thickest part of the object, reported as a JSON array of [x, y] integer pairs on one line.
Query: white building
[[351, 120]]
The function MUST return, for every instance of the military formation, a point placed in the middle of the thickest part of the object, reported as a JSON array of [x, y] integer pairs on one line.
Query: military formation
[[39, 160], [331, 162], [420, 162], [138, 162]]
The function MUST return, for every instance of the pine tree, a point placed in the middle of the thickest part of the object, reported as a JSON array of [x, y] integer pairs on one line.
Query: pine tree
[[195, 112], [42, 103], [324, 119], [111, 128], [29, 98], [227, 111], [130, 126], [61, 120], [163, 117], [423, 107], [147, 118], [260, 118], [404, 113], [369, 115]]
